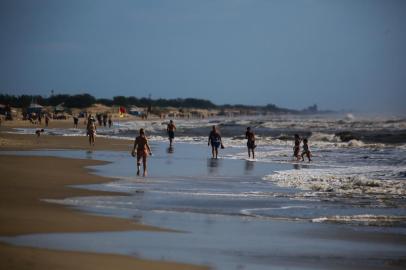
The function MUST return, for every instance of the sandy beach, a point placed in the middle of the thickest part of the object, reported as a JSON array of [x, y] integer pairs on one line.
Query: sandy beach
[[12, 141], [28, 180]]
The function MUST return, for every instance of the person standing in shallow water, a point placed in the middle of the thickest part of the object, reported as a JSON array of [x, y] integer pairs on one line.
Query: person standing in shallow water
[[143, 149], [306, 150], [171, 132], [215, 142], [296, 147], [250, 136], [75, 121]]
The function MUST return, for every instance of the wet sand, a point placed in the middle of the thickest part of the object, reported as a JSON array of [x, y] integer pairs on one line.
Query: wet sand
[[9, 141], [17, 258], [27, 180], [18, 123]]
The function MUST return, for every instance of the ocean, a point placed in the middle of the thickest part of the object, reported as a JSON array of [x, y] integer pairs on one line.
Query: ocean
[[344, 210]]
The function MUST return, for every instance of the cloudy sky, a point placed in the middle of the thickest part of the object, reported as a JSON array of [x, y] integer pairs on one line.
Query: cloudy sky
[[340, 54]]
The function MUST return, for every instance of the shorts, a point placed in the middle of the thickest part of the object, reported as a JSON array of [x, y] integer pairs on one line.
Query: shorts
[[171, 134], [215, 144], [251, 145]]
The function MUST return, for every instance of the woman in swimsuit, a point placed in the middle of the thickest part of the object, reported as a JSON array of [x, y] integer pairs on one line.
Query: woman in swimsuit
[[143, 149]]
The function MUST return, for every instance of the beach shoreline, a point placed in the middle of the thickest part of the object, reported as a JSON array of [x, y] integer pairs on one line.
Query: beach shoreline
[[27, 181], [181, 184]]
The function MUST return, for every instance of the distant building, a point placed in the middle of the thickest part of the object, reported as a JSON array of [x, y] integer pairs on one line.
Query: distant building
[[34, 108], [59, 108], [311, 109], [136, 111]]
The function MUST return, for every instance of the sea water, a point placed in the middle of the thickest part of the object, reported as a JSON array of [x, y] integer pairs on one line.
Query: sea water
[[264, 213], [363, 178]]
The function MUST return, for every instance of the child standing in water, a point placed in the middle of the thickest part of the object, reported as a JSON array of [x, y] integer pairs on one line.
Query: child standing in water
[[215, 142], [250, 136], [143, 149], [296, 148], [306, 150]]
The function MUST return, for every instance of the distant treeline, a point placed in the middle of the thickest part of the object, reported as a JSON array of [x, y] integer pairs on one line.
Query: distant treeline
[[86, 100]]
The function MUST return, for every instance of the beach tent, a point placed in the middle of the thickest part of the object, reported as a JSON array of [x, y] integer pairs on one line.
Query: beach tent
[[2, 109], [136, 111], [59, 108], [34, 108]]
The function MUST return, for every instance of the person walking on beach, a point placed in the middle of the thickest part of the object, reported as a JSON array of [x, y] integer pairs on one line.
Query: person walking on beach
[[143, 149], [296, 148], [91, 130], [75, 121], [306, 150], [215, 142], [250, 136], [46, 120], [105, 119], [110, 121], [171, 132]]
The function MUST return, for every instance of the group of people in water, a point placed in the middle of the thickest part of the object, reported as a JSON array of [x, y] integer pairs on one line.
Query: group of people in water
[[296, 149], [141, 148]]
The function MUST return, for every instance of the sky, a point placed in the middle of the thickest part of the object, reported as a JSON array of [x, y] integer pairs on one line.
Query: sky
[[340, 55]]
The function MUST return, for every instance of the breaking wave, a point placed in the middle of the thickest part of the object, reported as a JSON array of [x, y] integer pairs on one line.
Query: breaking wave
[[387, 180], [368, 220]]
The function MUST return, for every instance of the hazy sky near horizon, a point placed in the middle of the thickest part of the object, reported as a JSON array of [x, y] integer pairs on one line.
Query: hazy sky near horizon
[[340, 54]]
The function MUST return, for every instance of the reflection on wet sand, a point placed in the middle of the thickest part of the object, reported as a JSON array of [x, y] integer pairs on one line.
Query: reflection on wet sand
[[213, 165], [249, 165], [170, 150]]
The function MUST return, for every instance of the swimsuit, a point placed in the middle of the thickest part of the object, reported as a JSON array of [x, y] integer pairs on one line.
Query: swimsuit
[[306, 149], [142, 150], [215, 139], [171, 131], [251, 140]]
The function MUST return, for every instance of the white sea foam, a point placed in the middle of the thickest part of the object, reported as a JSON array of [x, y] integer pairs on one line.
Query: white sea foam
[[362, 219], [324, 137], [367, 180], [215, 194], [254, 211], [330, 122]]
